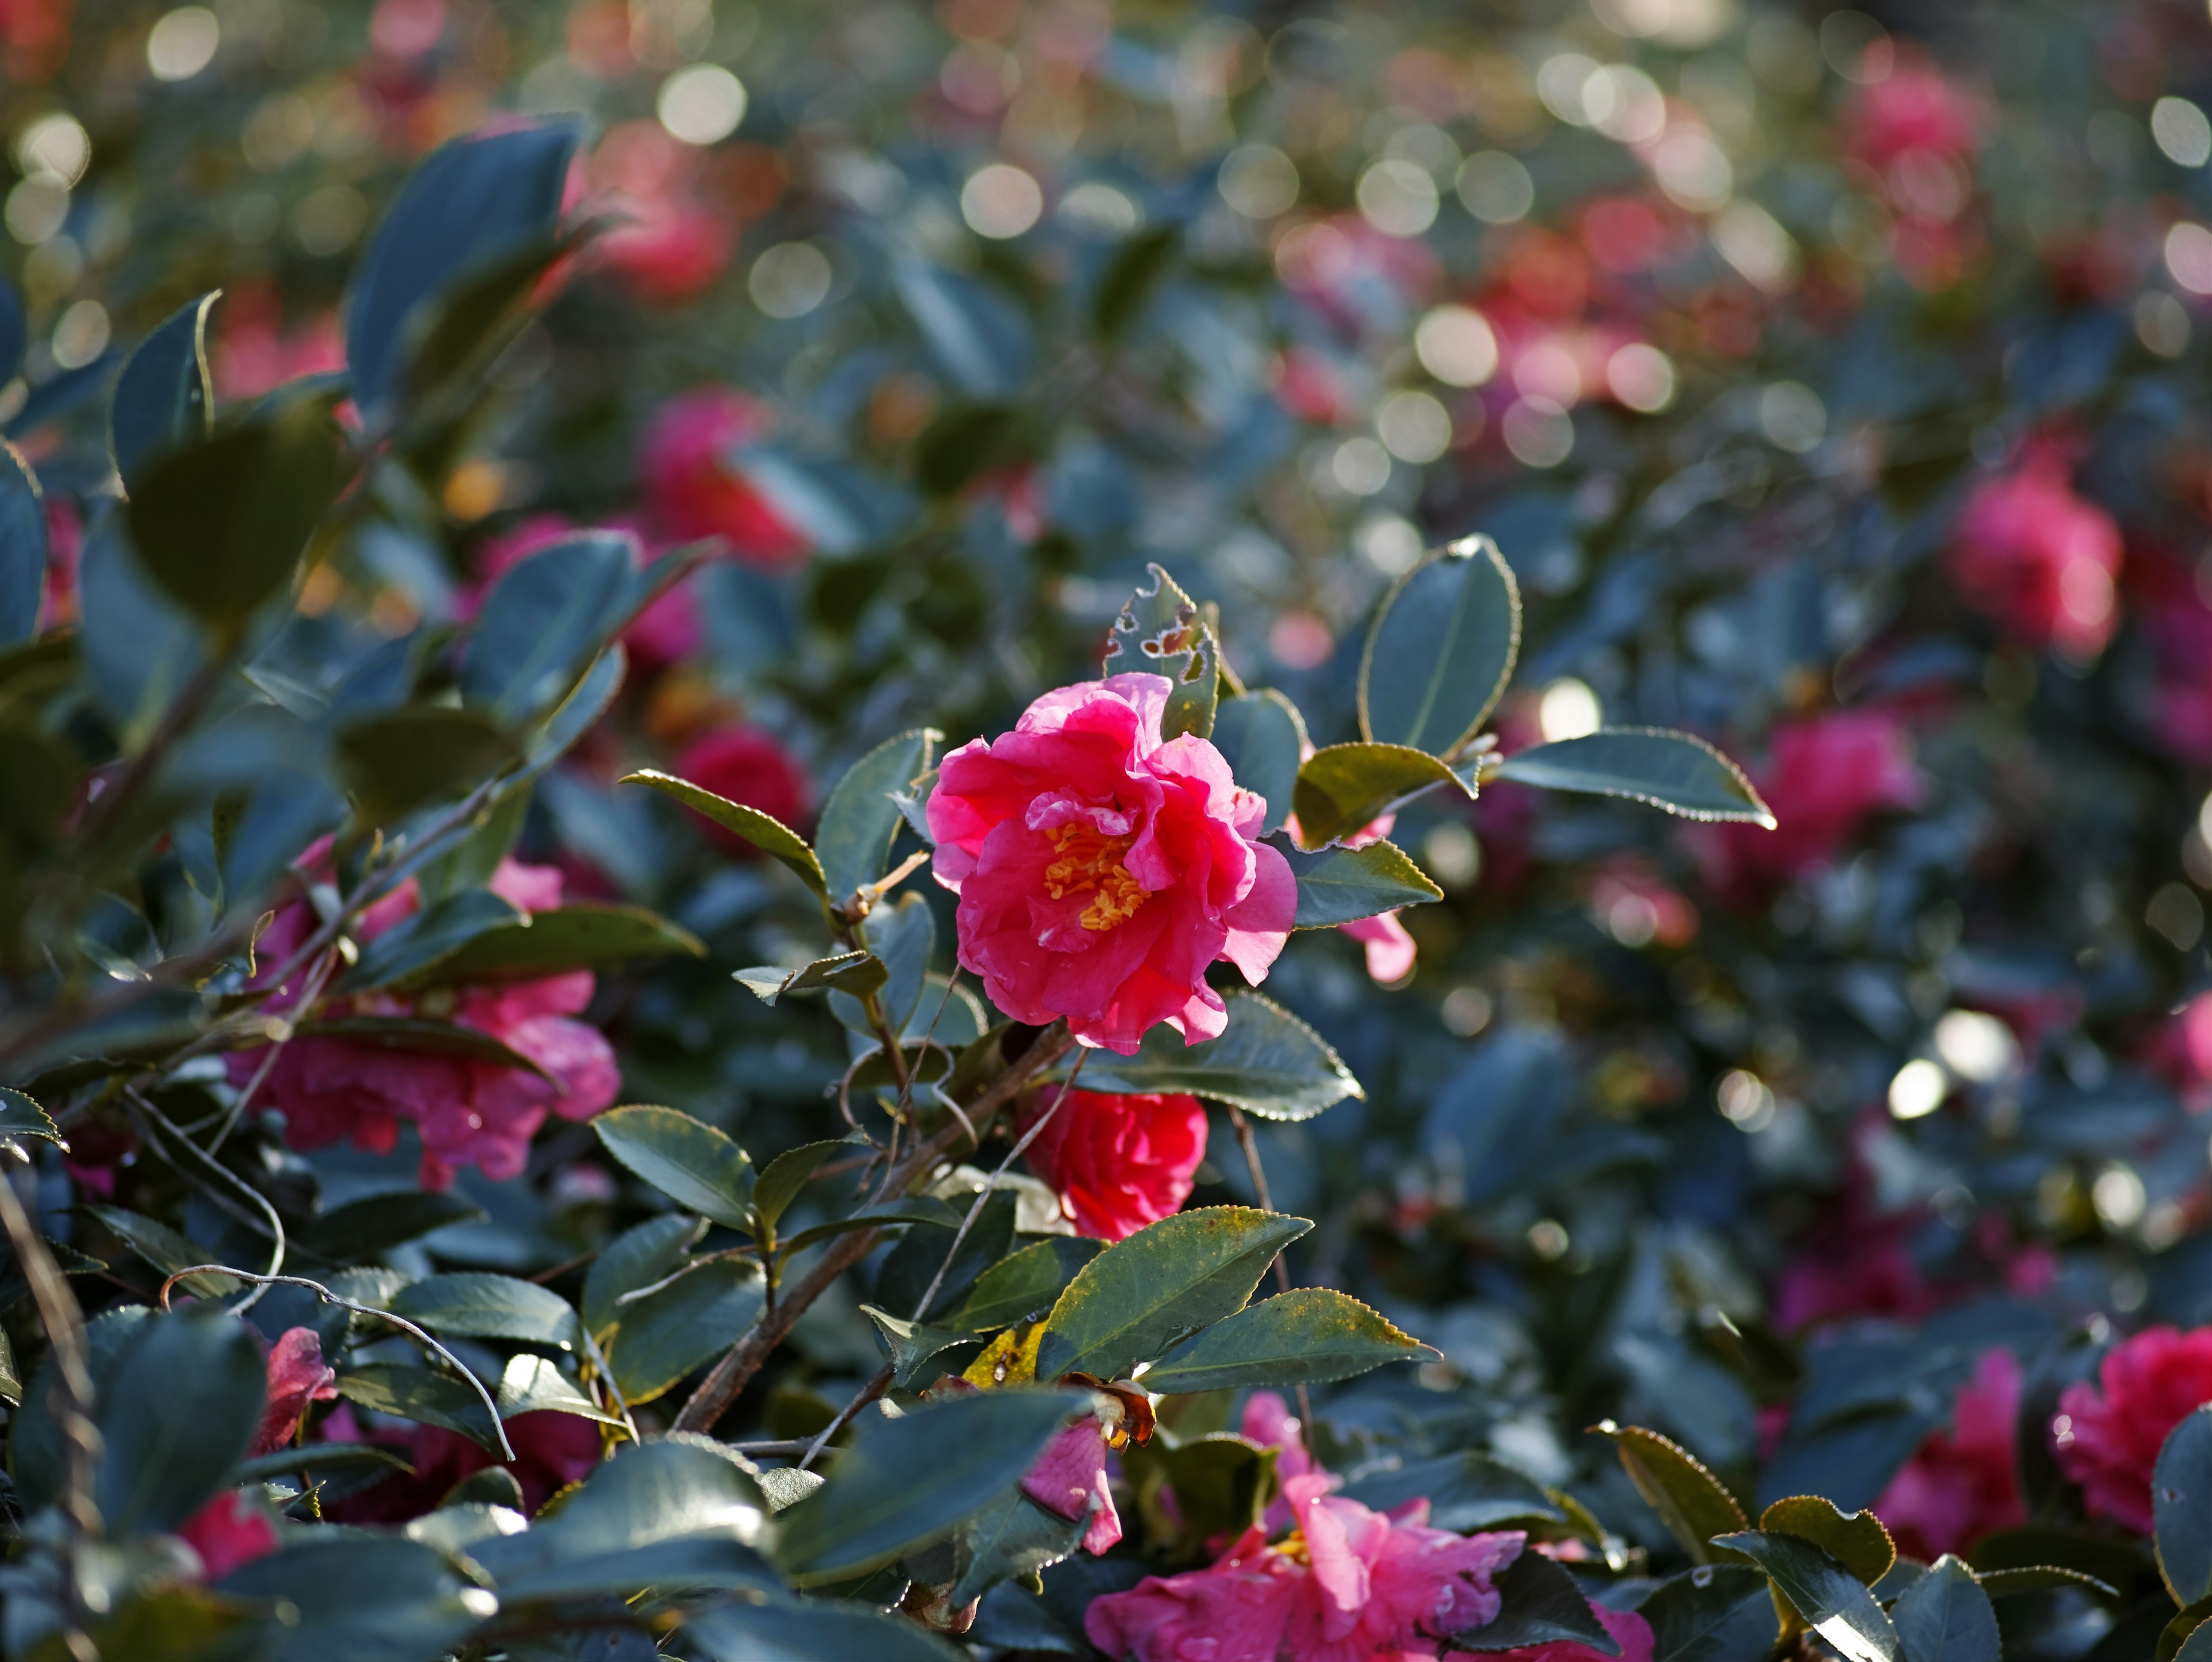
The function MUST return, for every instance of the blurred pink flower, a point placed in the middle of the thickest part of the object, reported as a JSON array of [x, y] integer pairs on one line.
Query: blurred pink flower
[[1100, 871], [255, 351], [232, 1529], [668, 242], [1117, 1163], [665, 632], [2108, 1434], [551, 1450], [2037, 558], [1961, 1483], [750, 766], [1826, 777], [1912, 109], [692, 488]]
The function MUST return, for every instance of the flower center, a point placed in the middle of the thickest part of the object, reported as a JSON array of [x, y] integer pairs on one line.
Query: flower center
[[1090, 863]]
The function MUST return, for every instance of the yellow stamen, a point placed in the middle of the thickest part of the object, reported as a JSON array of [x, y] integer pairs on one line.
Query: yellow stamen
[[1090, 863]]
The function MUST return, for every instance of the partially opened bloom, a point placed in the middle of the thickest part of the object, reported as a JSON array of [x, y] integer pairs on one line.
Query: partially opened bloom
[[233, 1528], [298, 1375], [1116, 1162], [1100, 871], [2108, 1434], [1960, 1483], [1070, 1479]]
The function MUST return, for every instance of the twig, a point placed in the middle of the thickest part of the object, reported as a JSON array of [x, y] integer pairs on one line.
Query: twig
[[868, 1394], [607, 1377], [1251, 1147], [743, 1360], [318, 979], [144, 1111], [498, 1425]]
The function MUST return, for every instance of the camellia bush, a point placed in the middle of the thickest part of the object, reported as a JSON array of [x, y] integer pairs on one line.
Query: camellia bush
[[1035, 829]]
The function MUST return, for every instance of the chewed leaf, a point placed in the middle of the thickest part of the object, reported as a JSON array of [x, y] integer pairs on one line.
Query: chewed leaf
[[1677, 771], [1160, 632]]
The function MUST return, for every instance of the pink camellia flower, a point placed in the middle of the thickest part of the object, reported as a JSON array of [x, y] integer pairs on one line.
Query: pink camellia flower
[[1961, 1484], [1913, 108], [746, 765], [2108, 1434], [1117, 1163], [1100, 871], [231, 1530], [298, 1375], [2037, 558], [2164, 595], [1351, 1584], [1826, 776], [551, 1450], [468, 1110], [693, 489], [669, 243], [1070, 1479]]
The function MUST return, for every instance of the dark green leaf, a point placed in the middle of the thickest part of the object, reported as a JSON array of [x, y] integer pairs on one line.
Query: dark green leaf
[[2181, 1505], [361, 1229], [2045, 1578], [905, 937], [913, 1346], [476, 1304], [1159, 632], [36, 1449], [423, 1036], [857, 973], [1011, 1538], [311, 1457], [1135, 1300], [1538, 1604], [544, 621], [1266, 1062], [1344, 788], [408, 1393], [1132, 277], [689, 1161], [1676, 772], [1690, 1501], [21, 1118], [813, 1631], [1440, 649], [1222, 1484], [1465, 1492], [1856, 1539], [782, 1178], [661, 1338], [2197, 1648], [221, 526], [1834, 1603], [637, 1257], [472, 204], [1945, 1617], [164, 399], [1305, 1336], [1341, 885], [1263, 738], [768, 835], [904, 1480], [920, 1209], [1024, 1284], [359, 1598], [178, 1415], [399, 760], [1714, 1613], [22, 547], [860, 820], [532, 1383], [450, 341], [415, 944], [165, 1249], [140, 647], [15, 334], [961, 442], [575, 937]]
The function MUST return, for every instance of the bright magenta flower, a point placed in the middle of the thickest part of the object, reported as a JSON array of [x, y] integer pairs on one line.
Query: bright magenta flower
[[692, 488], [1960, 1483], [2039, 559], [1827, 775], [2109, 1434], [1070, 1479], [1101, 871], [1117, 1163]]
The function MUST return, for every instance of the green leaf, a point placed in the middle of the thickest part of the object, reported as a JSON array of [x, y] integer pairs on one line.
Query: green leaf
[[2045, 1578], [860, 820], [782, 1178], [1857, 1540], [1138, 1298], [422, 1035], [1132, 276], [534, 1384], [637, 1257], [1715, 1613], [660, 1338], [1342, 885], [2181, 1506], [857, 973], [164, 399], [477, 1305], [1676, 772], [961, 442], [1690, 1501], [1222, 1484], [399, 760], [452, 341], [21, 1118], [543, 622], [920, 1208], [914, 1345], [2176, 1632], [473, 202], [693, 1164], [1263, 738], [415, 1393], [1440, 649], [311, 1457], [1012, 1538], [904, 1480], [179, 1415], [770, 835], [165, 1249], [1266, 1062], [359, 1230], [575, 937], [1945, 1617], [1834, 1603], [1305, 1336], [2197, 1648], [1344, 788], [1159, 632], [1465, 1492], [1024, 1284], [813, 1631], [358, 1597], [221, 526], [1539, 1604], [22, 547], [36, 1452], [905, 937], [431, 935]]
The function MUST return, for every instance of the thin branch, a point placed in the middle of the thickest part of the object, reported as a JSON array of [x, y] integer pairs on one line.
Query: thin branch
[[868, 1394], [146, 1113], [1251, 1147]]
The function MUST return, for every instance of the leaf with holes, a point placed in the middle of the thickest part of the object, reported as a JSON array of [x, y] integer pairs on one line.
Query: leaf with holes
[[1159, 632]]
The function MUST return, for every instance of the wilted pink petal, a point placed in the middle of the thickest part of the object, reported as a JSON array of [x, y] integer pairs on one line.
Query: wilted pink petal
[[297, 1376], [1070, 1476]]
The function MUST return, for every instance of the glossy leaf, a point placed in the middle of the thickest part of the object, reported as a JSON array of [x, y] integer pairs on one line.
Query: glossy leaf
[[660, 1338], [691, 1162], [165, 1249], [1221, 1484], [417, 1393], [1342, 885], [919, 1209], [1834, 1603], [1538, 1604], [474, 1305], [1134, 1300], [356, 1600], [416, 944], [1440, 649], [20, 1117], [1263, 738], [1715, 1613], [915, 1346], [1344, 788], [179, 1415], [857, 973], [1690, 1501], [1857, 1540], [584, 936], [1676, 772], [818, 1631], [357, 1231], [1308, 1336], [782, 1178], [861, 819], [640, 1256], [534, 1384], [1011, 1538], [1465, 1492], [545, 620], [765, 833], [22, 547], [140, 647], [164, 399], [1266, 1062], [1945, 1617], [2181, 1508], [1159, 632], [1024, 1284]]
